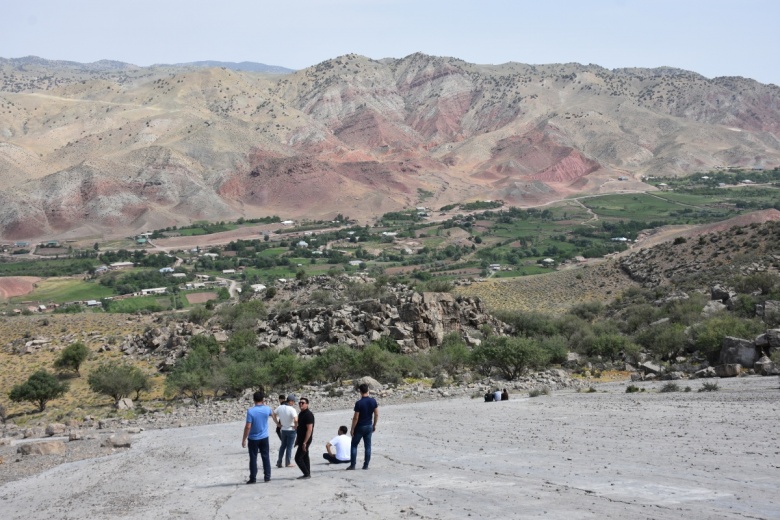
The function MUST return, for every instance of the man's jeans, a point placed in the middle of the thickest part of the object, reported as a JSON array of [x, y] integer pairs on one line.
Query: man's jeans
[[361, 432], [288, 441], [254, 447]]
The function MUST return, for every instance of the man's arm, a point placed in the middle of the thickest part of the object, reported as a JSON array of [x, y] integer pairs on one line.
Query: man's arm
[[247, 427], [376, 417], [276, 419], [329, 447], [307, 437], [354, 423]]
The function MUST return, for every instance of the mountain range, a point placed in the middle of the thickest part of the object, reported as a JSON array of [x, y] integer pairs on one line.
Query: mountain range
[[109, 149]]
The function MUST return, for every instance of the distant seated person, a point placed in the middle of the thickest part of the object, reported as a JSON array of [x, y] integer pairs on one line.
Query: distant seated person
[[505, 395], [341, 443], [489, 397], [497, 395]]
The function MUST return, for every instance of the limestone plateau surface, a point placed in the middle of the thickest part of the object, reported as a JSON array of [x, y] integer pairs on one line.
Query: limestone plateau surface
[[112, 148]]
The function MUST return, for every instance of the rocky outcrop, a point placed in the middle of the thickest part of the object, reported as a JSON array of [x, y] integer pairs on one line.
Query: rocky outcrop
[[414, 321]]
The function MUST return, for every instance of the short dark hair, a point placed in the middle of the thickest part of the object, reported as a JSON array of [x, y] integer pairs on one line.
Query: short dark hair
[[342, 430], [305, 400], [258, 396], [363, 388], [282, 397]]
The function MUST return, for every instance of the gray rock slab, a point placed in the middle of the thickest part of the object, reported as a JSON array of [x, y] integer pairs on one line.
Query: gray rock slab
[[567, 455]]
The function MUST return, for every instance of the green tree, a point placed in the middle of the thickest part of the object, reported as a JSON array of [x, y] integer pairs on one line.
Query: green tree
[[511, 356], [72, 357], [117, 380], [40, 388], [452, 355], [194, 374], [334, 365]]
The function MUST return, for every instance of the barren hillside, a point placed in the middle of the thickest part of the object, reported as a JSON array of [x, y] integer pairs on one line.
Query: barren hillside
[[109, 148]]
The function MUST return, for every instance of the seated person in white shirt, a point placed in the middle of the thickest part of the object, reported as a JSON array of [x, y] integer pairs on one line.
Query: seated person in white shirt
[[341, 443]]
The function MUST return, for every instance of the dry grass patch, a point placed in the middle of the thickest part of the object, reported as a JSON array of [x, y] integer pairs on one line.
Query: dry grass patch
[[552, 293], [94, 330]]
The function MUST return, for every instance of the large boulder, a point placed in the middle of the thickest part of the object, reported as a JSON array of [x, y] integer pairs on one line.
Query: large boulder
[[730, 370], [125, 404], [55, 429], [118, 440], [720, 293], [373, 384], [765, 367], [42, 448], [771, 312], [738, 351], [773, 338], [712, 308]]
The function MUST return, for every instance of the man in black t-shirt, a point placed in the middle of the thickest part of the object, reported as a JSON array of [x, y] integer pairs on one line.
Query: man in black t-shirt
[[303, 438], [363, 426]]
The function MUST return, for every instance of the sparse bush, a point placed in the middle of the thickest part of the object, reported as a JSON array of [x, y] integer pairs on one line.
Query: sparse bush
[[198, 315], [452, 355], [40, 388], [708, 335], [3, 414], [688, 389], [335, 364], [72, 357], [664, 341], [356, 291], [670, 387], [118, 380], [709, 387], [194, 374], [439, 286], [630, 389], [536, 392], [510, 356], [587, 311]]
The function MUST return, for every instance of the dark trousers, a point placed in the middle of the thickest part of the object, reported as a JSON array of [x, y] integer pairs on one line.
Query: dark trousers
[[255, 447], [302, 460], [332, 459], [361, 432]]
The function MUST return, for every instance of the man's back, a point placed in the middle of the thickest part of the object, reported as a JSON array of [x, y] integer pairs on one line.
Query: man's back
[[287, 416], [365, 407]]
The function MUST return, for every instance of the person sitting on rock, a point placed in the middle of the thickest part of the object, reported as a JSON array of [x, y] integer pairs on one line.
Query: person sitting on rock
[[341, 443]]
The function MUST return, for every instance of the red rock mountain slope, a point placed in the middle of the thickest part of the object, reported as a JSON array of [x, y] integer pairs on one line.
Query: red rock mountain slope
[[108, 148]]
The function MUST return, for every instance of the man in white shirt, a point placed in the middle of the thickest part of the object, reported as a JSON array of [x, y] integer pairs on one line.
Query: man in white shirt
[[287, 417], [341, 443]]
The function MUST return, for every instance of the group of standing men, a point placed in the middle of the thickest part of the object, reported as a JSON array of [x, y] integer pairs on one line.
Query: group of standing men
[[297, 429]]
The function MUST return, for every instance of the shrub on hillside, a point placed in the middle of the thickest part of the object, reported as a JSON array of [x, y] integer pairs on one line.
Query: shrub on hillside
[[193, 375], [670, 387], [72, 357], [40, 388], [118, 380], [510, 356], [708, 335], [529, 324], [664, 341]]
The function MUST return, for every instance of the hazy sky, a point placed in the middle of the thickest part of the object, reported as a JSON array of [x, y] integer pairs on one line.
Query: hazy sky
[[711, 37]]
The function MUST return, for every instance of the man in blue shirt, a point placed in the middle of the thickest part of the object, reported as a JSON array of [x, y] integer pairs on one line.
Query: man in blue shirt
[[363, 426], [256, 437]]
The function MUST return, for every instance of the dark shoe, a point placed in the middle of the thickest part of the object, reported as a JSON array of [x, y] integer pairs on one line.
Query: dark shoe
[[267, 480], [251, 482], [350, 468], [304, 477], [365, 467], [278, 465]]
